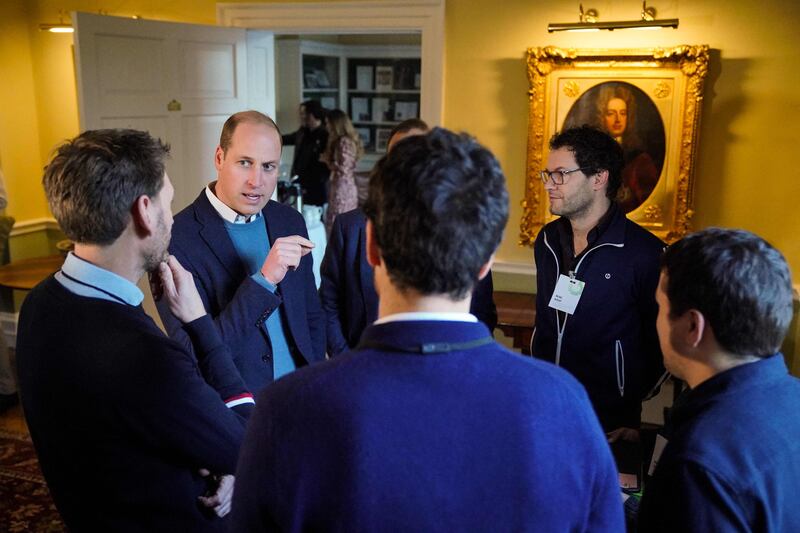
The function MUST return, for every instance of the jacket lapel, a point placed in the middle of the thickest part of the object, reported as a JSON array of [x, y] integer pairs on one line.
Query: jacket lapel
[[216, 237]]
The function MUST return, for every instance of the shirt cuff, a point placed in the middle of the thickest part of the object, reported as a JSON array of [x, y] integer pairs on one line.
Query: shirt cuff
[[259, 278]]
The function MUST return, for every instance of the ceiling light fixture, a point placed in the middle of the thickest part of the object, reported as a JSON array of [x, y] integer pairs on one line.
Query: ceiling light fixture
[[60, 27], [589, 21]]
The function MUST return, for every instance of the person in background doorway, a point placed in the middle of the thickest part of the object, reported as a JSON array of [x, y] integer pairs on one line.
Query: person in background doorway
[[342, 154], [310, 142]]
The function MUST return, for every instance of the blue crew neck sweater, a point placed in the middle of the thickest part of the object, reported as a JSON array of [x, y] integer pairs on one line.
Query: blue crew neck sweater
[[251, 242]]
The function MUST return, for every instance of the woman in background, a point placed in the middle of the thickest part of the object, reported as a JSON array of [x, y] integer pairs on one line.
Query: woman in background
[[343, 152]]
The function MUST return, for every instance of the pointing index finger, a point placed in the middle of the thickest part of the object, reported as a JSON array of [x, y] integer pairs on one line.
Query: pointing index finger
[[302, 241]]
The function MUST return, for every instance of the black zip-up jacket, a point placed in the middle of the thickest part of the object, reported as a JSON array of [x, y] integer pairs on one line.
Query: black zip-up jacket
[[610, 343]]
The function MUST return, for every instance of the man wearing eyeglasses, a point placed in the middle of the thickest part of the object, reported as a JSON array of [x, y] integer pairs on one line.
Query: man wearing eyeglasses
[[597, 273]]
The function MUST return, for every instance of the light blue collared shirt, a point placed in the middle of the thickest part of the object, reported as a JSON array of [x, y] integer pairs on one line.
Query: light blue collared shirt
[[81, 277]]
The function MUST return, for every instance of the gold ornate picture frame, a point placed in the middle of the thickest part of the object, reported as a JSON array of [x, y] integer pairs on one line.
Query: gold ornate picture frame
[[649, 99]]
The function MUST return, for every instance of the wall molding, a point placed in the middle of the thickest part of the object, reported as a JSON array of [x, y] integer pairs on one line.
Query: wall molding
[[508, 267], [394, 16], [34, 225]]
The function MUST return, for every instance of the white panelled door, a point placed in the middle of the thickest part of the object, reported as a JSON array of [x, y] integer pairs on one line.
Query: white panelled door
[[177, 81]]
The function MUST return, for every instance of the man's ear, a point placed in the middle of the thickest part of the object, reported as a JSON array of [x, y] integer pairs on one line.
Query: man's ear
[[219, 158], [486, 268], [143, 216], [600, 179], [373, 252], [696, 327]]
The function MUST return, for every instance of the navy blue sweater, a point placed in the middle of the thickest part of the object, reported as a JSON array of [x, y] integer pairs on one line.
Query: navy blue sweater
[[476, 439], [121, 416], [733, 458]]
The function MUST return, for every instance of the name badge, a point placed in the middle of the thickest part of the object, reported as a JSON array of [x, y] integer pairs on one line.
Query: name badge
[[567, 294]]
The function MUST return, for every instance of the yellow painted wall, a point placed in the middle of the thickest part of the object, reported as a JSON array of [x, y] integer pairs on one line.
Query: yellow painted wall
[[746, 174], [19, 137]]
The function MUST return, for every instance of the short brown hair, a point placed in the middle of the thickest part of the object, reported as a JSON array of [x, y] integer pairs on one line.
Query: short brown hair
[[251, 116], [94, 179]]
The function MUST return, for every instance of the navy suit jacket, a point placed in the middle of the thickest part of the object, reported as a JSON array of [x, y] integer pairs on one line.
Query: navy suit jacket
[[348, 293], [238, 304], [472, 439]]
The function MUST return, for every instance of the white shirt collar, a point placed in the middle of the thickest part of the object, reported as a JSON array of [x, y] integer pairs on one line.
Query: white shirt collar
[[418, 316], [226, 212]]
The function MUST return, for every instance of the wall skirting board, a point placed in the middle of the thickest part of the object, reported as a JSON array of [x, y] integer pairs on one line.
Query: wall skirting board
[[33, 225]]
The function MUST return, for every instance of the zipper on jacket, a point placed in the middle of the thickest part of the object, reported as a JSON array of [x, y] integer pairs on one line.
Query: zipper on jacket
[[561, 327], [619, 356]]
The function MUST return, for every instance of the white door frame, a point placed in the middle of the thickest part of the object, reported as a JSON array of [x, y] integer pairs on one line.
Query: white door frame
[[391, 16]]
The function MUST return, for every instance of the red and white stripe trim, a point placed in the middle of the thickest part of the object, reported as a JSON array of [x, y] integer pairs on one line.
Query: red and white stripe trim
[[240, 399]]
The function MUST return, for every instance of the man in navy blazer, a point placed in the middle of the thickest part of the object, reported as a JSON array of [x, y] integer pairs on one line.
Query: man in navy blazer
[[347, 290], [250, 258], [429, 425]]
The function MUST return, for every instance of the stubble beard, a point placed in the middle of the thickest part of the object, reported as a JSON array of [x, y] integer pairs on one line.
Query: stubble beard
[[575, 207], [160, 250]]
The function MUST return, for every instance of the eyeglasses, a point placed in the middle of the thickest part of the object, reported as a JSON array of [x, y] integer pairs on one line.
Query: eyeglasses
[[559, 177]]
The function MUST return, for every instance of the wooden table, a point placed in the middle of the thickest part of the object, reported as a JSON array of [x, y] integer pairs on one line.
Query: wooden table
[[516, 314], [25, 274]]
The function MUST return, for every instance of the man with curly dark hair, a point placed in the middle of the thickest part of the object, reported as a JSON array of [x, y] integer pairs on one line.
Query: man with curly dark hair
[[607, 339]]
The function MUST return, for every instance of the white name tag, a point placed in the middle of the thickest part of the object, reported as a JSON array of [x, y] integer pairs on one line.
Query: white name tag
[[567, 294]]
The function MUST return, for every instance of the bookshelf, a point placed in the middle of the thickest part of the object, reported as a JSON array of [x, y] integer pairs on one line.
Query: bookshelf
[[381, 92], [329, 72]]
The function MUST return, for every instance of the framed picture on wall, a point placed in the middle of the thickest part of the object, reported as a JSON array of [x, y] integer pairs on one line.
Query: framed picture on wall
[[649, 100]]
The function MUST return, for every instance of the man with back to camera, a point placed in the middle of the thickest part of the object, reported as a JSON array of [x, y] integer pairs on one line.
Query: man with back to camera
[[732, 462], [597, 273], [347, 290], [310, 141], [429, 425], [250, 258], [122, 417]]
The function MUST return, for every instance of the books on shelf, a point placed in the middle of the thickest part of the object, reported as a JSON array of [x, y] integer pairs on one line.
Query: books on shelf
[[328, 102], [405, 110], [380, 109], [311, 80], [364, 78], [322, 79], [359, 109], [382, 136], [384, 78]]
